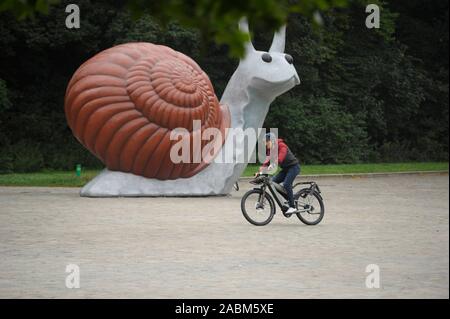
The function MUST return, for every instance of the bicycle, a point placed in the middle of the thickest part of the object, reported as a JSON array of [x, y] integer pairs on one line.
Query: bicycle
[[308, 202]]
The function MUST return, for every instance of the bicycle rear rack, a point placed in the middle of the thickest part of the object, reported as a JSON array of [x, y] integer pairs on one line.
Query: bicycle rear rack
[[313, 185]]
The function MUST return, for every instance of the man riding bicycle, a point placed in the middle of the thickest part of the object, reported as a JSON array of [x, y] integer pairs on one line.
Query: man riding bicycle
[[289, 164]]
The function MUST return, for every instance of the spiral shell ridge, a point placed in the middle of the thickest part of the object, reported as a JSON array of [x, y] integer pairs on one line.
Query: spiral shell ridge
[[123, 103]]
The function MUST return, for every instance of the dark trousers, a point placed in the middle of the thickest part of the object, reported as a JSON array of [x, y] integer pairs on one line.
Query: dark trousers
[[287, 176]]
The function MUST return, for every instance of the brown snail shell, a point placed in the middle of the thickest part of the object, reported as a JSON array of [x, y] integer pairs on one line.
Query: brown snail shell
[[123, 103]]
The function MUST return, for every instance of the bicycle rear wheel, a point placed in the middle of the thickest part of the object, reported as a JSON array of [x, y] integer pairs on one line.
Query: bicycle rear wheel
[[256, 210], [311, 206]]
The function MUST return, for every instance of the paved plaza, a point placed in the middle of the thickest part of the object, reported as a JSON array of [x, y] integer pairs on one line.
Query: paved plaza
[[204, 248]]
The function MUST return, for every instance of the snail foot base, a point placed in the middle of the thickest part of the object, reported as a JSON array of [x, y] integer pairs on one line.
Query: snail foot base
[[119, 184]]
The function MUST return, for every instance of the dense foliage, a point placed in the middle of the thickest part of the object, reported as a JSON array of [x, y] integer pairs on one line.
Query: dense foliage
[[366, 94], [214, 19]]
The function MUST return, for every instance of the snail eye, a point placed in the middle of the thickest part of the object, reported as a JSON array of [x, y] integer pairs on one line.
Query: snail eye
[[266, 57], [289, 58]]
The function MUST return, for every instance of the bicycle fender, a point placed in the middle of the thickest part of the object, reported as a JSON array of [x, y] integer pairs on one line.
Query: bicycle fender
[[307, 190], [319, 195]]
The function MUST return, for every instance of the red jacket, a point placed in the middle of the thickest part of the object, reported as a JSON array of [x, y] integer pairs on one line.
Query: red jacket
[[285, 157]]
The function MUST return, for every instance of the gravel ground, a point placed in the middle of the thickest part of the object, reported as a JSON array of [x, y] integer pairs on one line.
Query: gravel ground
[[204, 248]]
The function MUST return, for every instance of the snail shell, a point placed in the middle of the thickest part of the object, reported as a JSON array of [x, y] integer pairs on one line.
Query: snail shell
[[123, 103]]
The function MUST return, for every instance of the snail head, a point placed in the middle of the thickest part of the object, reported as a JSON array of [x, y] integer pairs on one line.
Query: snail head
[[270, 72]]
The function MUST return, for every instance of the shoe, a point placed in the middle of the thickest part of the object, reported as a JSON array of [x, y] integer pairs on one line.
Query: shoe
[[291, 210]]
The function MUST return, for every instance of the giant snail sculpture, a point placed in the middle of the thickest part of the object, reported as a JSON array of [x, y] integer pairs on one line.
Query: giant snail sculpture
[[124, 103]]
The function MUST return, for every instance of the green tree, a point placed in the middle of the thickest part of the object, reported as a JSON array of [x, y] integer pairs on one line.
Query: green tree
[[5, 103], [366, 95], [215, 19]]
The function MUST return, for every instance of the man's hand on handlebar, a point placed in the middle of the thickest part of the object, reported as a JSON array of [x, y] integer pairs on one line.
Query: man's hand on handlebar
[[264, 170]]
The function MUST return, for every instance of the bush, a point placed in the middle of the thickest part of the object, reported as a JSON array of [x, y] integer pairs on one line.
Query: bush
[[6, 161], [319, 131], [69, 156], [4, 99], [392, 152], [6, 158], [26, 157]]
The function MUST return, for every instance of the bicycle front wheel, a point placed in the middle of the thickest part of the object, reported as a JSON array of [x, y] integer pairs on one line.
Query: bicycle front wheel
[[256, 208]]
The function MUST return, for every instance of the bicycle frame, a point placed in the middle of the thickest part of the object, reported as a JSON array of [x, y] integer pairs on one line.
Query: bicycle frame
[[268, 183], [275, 194]]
